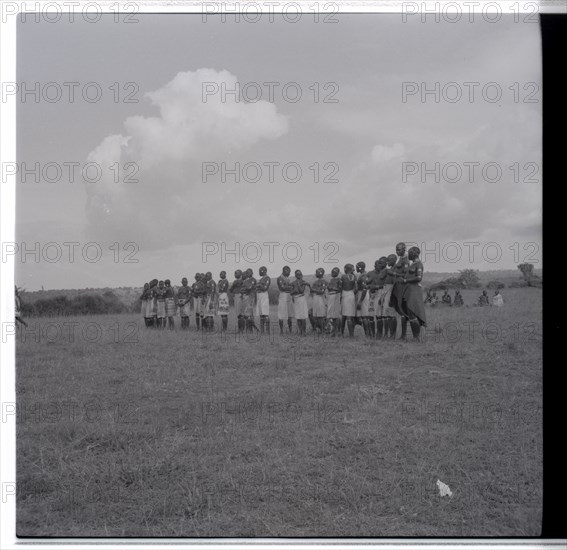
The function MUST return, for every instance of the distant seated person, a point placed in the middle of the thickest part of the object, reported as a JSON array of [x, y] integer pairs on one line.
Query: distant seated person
[[458, 300], [446, 298], [497, 299], [483, 299], [434, 299], [428, 298]]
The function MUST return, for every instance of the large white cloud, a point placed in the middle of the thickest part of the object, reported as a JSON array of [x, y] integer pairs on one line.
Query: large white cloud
[[164, 154]]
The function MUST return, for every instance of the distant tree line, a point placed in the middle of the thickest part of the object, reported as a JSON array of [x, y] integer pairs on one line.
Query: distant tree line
[[85, 304], [529, 276], [469, 278]]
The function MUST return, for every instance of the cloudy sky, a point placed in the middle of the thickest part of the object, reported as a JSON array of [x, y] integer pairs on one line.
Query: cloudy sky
[[359, 145]]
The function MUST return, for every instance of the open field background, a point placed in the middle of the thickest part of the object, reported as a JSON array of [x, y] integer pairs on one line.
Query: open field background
[[125, 431]]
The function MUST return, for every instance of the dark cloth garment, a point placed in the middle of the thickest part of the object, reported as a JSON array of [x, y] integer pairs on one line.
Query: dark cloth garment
[[401, 267], [396, 297], [412, 302]]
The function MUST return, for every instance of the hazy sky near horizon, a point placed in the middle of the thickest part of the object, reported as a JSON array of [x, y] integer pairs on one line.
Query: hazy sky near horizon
[[362, 141]]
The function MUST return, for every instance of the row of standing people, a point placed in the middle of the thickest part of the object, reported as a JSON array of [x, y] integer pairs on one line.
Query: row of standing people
[[372, 299]]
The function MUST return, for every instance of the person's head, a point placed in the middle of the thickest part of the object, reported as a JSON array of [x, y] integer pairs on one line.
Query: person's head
[[413, 253], [457, 292], [146, 286], [298, 274], [360, 267], [319, 272], [153, 282], [335, 272], [167, 282], [446, 291], [208, 276], [380, 263], [496, 292], [286, 271], [391, 260], [249, 272], [401, 249], [184, 281], [349, 268], [222, 275], [237, 274], [244, 274], [263, 271], [160, 284], [484, 293], [197, 276]]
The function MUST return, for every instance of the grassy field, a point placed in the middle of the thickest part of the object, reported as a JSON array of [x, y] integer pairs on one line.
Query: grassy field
[[124, 431]]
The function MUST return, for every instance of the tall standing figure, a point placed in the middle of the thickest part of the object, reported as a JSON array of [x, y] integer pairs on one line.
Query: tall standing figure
[[263, 300], [412, 299], [334, 289], [285, 305], [197, 292], [363, 299], [235, 288], [300, 303], [146, 295], [209, 302], [387, 312], [222, 301], [184, 303], [151, 311], [170, 305], [398, 272], [248, 292], [373, 284], [160, 301], [318, 289], [348, 299]]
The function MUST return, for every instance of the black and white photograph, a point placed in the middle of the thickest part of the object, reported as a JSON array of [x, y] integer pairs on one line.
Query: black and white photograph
[[274, 271]]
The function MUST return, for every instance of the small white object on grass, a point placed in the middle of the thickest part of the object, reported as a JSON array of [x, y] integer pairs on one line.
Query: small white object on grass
[[444, 489]]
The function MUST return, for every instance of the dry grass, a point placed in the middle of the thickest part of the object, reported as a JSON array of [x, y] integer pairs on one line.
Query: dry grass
[[180, 435]]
